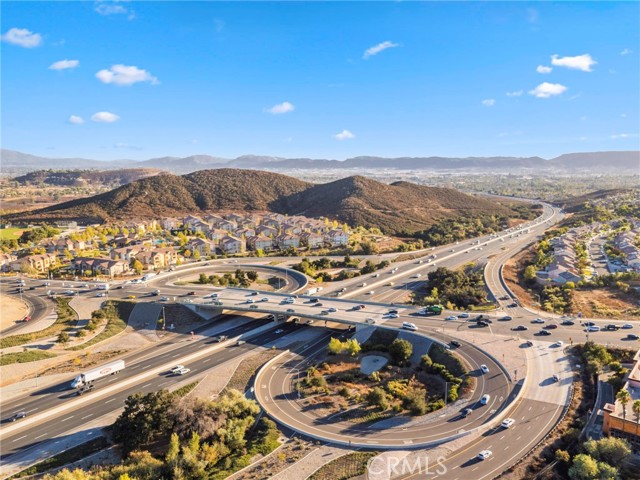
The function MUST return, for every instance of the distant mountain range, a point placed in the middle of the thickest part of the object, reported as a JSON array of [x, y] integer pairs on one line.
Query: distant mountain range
[[396, 208], [590, 162]]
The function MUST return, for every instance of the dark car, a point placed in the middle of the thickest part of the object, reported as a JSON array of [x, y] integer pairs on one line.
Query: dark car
[[393, 311], [506, 318], [567, 323], [512, 305], [466, 412], [454, 343], [483, 323], [18, 416], [551, 326], [520, 328], [588, 324], [191, 293], [544, 332], [317, 304], [632, 336], [314, 300], [611, 327]]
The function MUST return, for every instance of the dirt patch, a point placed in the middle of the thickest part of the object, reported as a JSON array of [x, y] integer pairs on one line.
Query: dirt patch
[[11, 310], [602, 303], [512, 273], [83, 361], [242, 377], [292, 451]]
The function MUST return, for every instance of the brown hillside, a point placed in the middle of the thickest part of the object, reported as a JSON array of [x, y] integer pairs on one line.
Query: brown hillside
[[395, 208], [399, 207]]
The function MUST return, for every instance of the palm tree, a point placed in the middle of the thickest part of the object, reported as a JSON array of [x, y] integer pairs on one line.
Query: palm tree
[[636, 410], [624, 397]]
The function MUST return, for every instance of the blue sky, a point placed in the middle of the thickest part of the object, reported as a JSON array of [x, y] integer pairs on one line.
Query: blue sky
[[110, 80]]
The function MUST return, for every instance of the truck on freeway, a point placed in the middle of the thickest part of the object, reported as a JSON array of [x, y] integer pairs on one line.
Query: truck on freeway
[[312, 291], [103, 286], [432, 310], [89, 376]]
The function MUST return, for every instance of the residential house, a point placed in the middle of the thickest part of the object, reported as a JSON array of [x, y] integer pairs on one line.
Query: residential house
[[232, 245], [39, 263], [170, 223], [5, 261], [99, 266], [266, 230], [260, 242], [337, 238], [246, 232], [203, 247], [286, 241], [312, 240]]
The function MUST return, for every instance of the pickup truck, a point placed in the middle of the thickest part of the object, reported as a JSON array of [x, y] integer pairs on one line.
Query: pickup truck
[[220, 338]]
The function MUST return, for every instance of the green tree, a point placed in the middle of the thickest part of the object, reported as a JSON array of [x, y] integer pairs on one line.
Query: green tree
[[584, 468], [259, 253], [377, 397], [562, 456], [137, 266], [635, 407], [174, 449], [608, 449], [63, 338], [353, 347], [335, 346], [145, 417], [196, 254], [252, 275], [415, 400], [530, 274], [624, 397], [400, 350]]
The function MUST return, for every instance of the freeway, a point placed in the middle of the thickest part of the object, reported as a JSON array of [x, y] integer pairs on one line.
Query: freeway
[[63, 396]]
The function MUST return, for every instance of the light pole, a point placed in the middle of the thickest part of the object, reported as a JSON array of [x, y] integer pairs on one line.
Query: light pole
[[446, 396]]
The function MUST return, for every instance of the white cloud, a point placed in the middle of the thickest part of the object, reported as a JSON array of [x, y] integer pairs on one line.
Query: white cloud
[[22, 37], [125, 75], [517, 93], [104, 117], [376, 49], [76, 120], [579, 62], [344, 135], [626, 51], [546, 90], [543, 69], [279, 108], [489, 102], [619, 136], [64, 64], [114, 8]]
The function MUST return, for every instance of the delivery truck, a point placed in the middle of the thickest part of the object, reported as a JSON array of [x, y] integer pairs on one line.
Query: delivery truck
[[90, 376]]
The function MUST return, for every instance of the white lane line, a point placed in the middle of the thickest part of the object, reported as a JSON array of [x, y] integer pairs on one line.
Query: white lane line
[[87, 416], [110, 400], [145, 385], [68, 418], [146, 366], [32, 410], [24, 436], [206, 360], [40, 436], [176, 355]]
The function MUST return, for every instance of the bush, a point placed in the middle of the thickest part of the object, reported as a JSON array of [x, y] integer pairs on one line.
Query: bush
[[415, 400], [437, 405], [377, 397]]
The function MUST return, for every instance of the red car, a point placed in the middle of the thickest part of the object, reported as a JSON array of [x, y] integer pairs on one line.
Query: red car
[[26, 319]]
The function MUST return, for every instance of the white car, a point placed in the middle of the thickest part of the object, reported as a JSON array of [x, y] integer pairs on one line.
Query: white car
[[331, 310], [538, 320], [507, 423], [101, 294], [484, 454], [485, 399], [278, 331], [182, 371], [371, 292], [417, 275], [370, 321], [265, 299], [250, 300], [289, 300], [392, 315], [559, 343], [177, 368], [463, 315], [452, 317], [593, 328], [484, 368]]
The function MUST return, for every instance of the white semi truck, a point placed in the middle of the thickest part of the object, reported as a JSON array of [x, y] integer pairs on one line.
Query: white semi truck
[[86, 378]]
